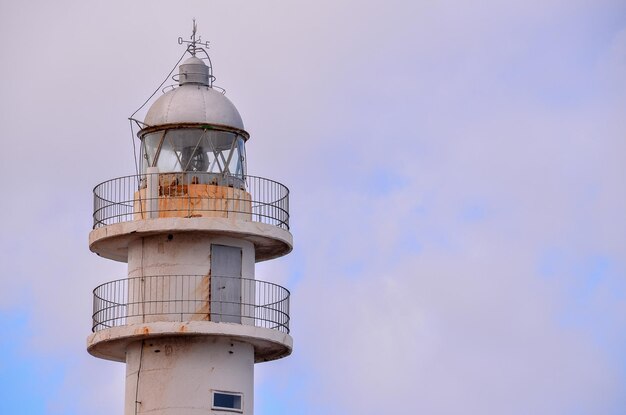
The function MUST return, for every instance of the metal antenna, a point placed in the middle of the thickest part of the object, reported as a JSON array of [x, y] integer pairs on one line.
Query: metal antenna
[[194, 43]]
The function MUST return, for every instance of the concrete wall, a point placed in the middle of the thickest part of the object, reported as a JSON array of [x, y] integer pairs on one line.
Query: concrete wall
[[181, 254], [176, 376]]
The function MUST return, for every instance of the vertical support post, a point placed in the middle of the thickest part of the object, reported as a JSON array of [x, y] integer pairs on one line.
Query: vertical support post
[[152, 192]]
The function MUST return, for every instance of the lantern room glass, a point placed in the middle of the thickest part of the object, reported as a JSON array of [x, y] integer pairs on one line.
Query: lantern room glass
[[194, 150]]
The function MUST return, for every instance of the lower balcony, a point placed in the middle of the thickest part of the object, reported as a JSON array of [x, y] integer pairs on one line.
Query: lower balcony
[[181, 298]]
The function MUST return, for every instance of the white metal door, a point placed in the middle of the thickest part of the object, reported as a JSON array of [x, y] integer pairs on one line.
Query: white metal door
[[226, 283]]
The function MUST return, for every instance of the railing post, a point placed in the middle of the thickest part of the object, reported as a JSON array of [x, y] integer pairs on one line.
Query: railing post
[[152, 192]]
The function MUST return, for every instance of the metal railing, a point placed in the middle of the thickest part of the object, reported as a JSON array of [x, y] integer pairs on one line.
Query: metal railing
[[190, 194], [183, 298]]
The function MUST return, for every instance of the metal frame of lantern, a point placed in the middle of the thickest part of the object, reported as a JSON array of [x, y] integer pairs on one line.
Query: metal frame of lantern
[[222, 162]]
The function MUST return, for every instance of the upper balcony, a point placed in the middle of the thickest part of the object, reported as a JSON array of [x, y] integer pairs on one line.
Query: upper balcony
[[246, 207], [191, 195]]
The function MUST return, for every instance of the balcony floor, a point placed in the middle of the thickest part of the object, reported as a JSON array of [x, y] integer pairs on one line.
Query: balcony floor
[[112, 241], [111, 344]]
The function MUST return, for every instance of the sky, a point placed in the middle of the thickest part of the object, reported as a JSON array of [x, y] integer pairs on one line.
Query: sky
[[457, 174]]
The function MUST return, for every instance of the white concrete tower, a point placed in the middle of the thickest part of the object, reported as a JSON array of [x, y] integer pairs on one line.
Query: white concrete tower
[[190, 320]]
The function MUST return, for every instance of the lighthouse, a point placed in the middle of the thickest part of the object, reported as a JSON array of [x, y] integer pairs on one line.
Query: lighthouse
[[190, 319]]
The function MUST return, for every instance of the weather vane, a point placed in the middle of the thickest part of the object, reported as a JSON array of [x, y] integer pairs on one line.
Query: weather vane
[[193, 43]]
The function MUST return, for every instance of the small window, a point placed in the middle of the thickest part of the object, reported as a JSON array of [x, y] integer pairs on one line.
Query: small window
[[227, 401]]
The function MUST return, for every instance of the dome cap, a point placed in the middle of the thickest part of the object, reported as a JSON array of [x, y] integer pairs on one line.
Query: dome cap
[[194, 71]]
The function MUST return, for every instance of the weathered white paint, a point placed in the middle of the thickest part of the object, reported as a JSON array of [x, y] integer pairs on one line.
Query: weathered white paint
[[179, 254], [152, 192], [111, 344], [182, 254], [176, 375], [112, 241], [181, 382]]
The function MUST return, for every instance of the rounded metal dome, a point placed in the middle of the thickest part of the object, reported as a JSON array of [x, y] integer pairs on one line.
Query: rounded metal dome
[[193, 103]]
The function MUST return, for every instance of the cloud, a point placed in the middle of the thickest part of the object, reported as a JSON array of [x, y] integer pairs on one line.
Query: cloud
[[439, 156]]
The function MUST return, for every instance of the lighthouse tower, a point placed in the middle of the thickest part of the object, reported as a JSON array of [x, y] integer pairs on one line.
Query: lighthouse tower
[[190, 319]]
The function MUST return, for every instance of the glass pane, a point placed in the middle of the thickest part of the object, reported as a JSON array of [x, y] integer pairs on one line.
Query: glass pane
[[149, 146], [237, 161], [169, 160], [226, 400], [195, 150]]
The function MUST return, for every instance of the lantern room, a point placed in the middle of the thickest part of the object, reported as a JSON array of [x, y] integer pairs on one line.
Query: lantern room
[[194, 128]]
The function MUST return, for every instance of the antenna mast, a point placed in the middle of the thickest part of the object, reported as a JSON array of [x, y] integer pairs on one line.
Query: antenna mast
[[194, 44]]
